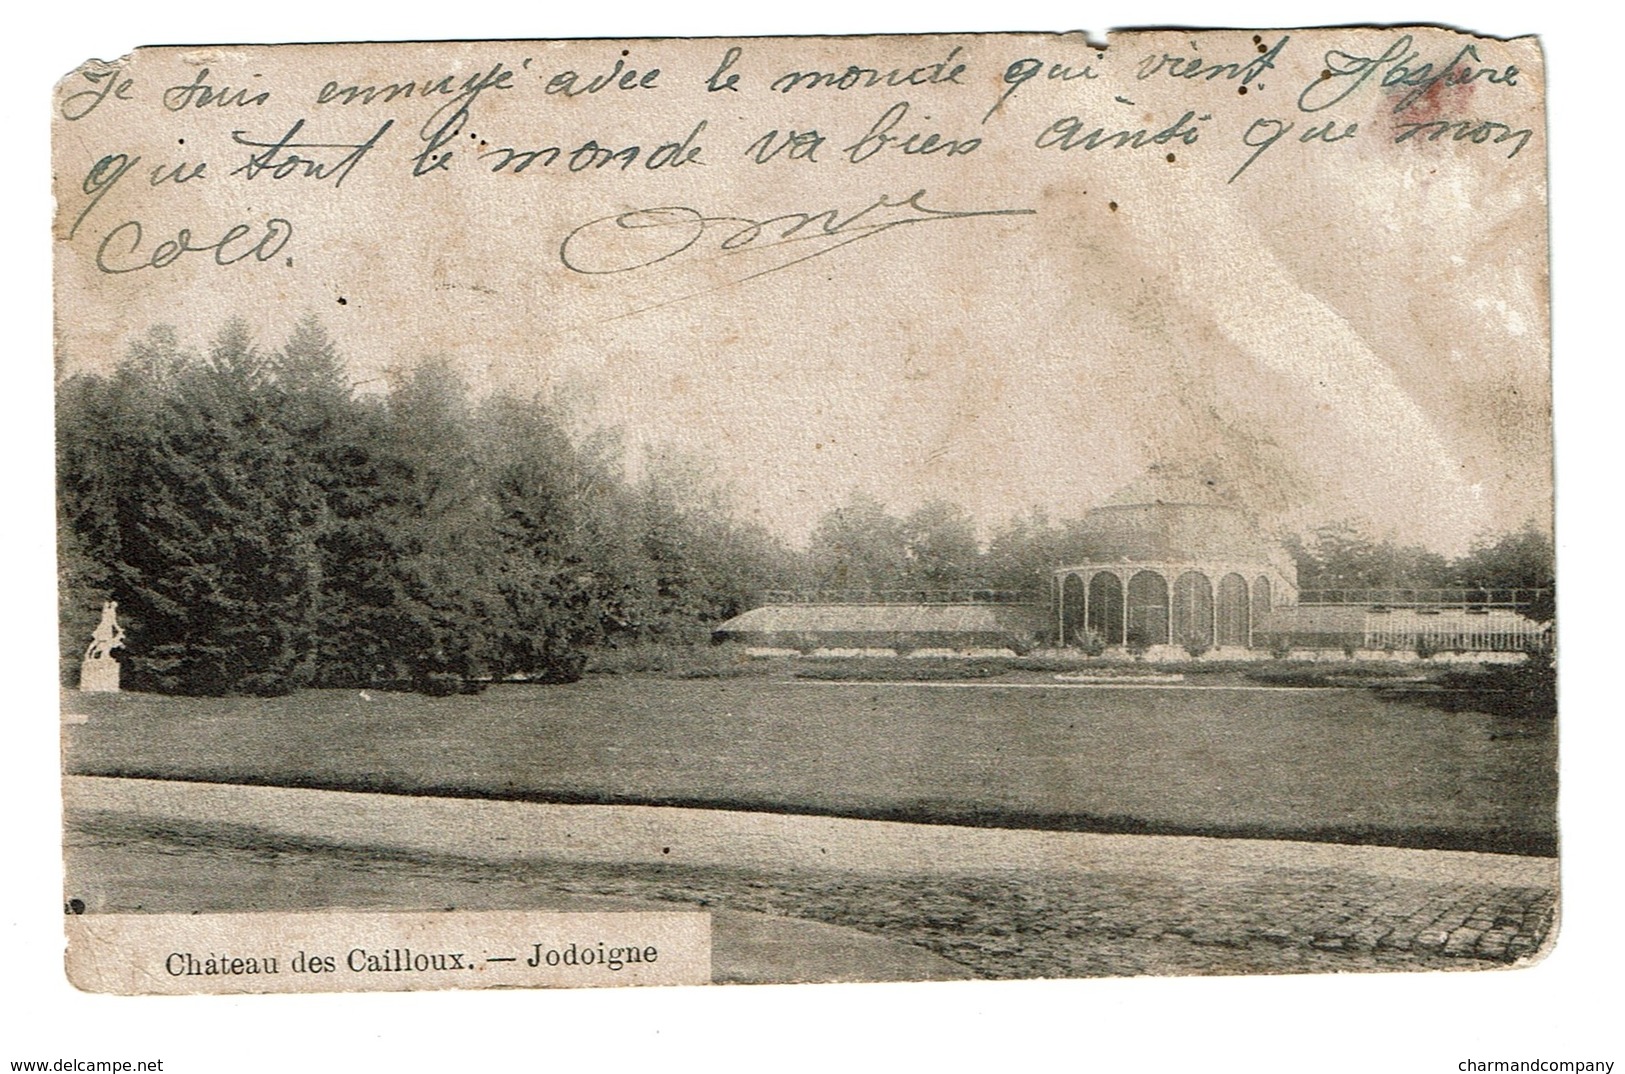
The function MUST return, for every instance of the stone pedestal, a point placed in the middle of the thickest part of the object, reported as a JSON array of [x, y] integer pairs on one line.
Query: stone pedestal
[[98, 675]]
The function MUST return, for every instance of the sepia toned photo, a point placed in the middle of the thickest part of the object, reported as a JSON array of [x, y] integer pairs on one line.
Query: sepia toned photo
[[768, 510]]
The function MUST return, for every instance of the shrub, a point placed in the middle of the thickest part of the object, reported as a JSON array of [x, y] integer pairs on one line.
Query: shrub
[[1349, 651], [1195, 645], [1040, 663], [1281, 647], [717, 661], [1426, 647], [1291, 675], [265, 684], [1090, 641], [438, 684], [899, 669], [628, 659], [1137, 648]]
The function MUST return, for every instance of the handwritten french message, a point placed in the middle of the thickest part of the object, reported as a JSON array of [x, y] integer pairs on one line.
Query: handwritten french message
[[400, 120], [622, 177]]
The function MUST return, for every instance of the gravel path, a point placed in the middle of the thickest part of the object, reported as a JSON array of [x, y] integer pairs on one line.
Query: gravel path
[[997, 903]]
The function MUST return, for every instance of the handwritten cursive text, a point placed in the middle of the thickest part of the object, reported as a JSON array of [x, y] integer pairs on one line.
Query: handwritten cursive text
[[626, 242], [120, 251]]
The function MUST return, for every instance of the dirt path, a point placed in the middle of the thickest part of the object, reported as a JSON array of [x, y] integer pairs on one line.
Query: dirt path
[[817, 898]]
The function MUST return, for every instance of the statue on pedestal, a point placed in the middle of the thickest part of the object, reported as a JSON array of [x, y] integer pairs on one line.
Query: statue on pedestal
[[98, 673]]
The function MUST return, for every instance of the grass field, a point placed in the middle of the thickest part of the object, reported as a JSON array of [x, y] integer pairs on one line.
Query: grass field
[[1347, 765]]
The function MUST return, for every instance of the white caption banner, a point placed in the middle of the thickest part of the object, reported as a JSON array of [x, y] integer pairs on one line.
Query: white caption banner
[[181, 954]]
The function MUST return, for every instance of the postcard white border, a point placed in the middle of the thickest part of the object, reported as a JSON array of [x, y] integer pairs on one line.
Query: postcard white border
[[1363, 1022]]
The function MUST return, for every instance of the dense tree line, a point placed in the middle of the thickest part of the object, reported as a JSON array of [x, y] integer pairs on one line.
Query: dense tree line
[[863, 546], [265, 527], [1343, 556]]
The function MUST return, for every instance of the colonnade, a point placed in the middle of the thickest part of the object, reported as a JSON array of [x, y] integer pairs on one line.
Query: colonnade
[[1135, 604]]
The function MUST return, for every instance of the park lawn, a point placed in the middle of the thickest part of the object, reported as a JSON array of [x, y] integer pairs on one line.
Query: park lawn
[[1344, 765]]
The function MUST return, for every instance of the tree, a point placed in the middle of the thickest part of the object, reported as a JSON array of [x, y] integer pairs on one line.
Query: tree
[[940, 549], [91, 420], [183, 495], [1342, 556], [1023, 553], [264, 527], [858, 546], [554, 505], [427, 598], [1521, 560], [311, 402]]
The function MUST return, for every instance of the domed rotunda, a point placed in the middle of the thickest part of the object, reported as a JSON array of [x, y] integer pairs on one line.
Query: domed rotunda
[[1172, 562]]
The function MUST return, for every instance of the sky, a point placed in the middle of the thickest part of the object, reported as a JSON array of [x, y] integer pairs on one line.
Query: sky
[[1349, 331]]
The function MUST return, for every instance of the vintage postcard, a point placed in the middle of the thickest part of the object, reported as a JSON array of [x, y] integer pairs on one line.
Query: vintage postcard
[[640, 512]]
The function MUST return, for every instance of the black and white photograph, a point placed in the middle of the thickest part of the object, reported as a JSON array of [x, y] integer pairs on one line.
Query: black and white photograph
[[806, 510], [948, 547]]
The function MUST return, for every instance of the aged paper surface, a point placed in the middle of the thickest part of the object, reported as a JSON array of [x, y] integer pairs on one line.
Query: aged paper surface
[[1118, 481]]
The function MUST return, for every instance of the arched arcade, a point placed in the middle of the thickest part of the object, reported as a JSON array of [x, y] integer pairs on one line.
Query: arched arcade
[[1171, 564]]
